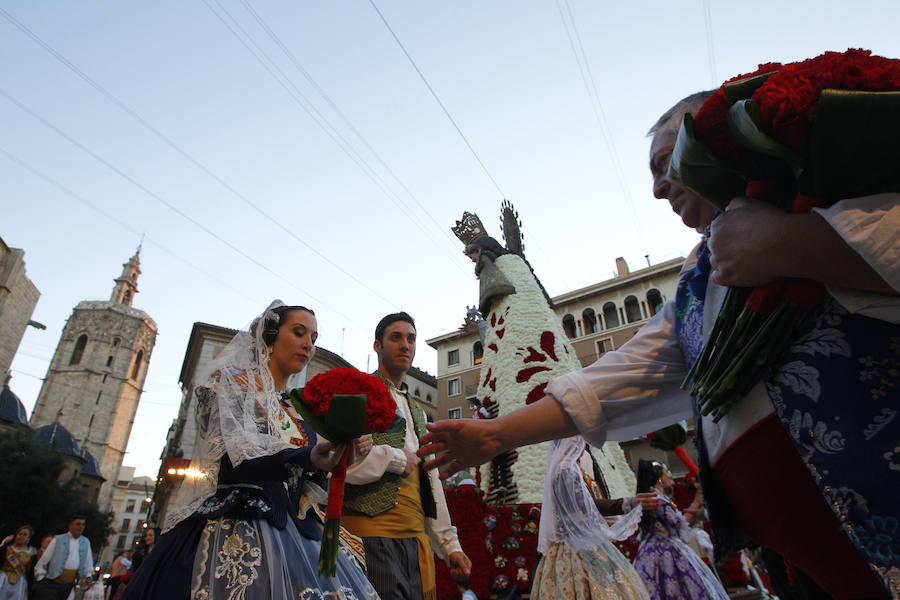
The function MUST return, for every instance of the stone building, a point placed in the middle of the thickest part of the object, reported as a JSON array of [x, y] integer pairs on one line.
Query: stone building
[[18, 297], [96, 377], [204, 345], [130, 506]]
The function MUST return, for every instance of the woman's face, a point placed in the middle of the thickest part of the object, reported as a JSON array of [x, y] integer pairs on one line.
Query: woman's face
[[666, 483], [295, 343], [150, 537], [23, 536]]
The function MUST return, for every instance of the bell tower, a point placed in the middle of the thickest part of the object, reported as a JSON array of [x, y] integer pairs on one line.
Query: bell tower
[[95, 380]]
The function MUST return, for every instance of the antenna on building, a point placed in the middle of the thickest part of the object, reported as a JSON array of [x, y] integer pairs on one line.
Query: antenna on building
[[647, 256], [343, 329]]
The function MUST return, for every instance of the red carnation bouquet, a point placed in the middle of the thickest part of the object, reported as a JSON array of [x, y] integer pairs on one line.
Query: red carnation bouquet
[[342, 404], [802, 135]]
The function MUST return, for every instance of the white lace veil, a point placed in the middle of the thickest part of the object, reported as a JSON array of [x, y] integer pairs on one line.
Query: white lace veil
[[235, 414], [569, 513]]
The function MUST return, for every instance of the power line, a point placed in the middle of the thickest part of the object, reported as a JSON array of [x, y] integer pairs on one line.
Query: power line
[[117, 221], [590, 85], [290, 55], [81, 388], [437, 99], [119, 103], [319, 119], [147, 191], [710, 48]]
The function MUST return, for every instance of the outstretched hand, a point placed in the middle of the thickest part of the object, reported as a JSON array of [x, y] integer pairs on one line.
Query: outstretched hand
[[457, 444], [648, 501], [326, 456]]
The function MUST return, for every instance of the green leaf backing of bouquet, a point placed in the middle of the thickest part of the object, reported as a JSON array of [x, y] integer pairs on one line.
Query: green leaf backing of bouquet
[[344, 420], [698, 169], [854, 145], [669, 438]]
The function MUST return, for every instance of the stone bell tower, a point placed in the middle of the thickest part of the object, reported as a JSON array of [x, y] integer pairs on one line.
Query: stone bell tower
[[96, 377]]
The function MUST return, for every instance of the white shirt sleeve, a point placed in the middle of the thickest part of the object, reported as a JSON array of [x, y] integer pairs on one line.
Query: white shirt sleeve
[[380, 460], [630, 391], [40, 569], [444, 538], [871, 227]]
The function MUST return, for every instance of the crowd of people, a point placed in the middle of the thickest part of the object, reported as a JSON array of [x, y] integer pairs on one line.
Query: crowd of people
[[796, 482]]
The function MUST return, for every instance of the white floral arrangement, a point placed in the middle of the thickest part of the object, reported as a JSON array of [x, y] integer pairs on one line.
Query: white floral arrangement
[[524, 348]]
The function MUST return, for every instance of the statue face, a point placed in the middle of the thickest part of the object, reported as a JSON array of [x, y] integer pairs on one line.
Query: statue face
[[473, 254]]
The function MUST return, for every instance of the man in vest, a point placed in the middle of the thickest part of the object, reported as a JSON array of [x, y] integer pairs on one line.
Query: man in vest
[[396, 507], [67, 558]]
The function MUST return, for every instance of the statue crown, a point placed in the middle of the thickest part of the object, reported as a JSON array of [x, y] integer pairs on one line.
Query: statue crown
[[469, 228]]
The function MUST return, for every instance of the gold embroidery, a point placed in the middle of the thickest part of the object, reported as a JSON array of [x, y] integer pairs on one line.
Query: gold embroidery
[[238, 558]]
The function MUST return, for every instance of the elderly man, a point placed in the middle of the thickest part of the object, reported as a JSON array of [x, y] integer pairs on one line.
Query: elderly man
[[66, 559], [394, 505], [753, 474]]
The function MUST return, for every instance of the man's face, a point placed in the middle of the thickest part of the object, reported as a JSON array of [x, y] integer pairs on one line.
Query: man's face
[[695, 212], [398, 349], [76, 527]]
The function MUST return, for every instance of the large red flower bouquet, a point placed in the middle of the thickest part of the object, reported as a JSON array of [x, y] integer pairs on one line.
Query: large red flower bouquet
[[802, 135], [342, 404]]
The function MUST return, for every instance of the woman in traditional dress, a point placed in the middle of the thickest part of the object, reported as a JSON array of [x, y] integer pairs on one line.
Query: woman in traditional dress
[[579, 560], [16, 555], [234, 530], [671, 570]]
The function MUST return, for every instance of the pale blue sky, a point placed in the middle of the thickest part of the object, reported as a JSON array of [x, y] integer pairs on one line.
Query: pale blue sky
[[506, 73]]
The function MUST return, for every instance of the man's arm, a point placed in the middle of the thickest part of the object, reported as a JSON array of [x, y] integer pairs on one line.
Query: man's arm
[[626, 393], [444, 538], [382, 459], [754, 242]]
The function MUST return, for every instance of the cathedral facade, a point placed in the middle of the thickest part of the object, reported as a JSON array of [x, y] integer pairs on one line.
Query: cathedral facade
[[95, 380]]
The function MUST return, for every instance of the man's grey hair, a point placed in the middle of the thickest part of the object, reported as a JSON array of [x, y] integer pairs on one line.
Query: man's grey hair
[[689, 104]]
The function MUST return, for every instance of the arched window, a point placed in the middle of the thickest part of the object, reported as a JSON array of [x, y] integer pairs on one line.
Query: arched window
[[569, 326], [116, 342], [428, 398], [137, 364], [417, 393], [610, 315], [654, 301], [477, 352], [632, 309], [590, 321], [78, 352], [127, 296]]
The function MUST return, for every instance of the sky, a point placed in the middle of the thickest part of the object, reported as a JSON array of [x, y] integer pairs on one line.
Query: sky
[[319, 152]]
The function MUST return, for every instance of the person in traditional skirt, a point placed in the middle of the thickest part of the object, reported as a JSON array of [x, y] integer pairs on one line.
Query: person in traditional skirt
[[671, 570], [579, 561], [16, 555], [235, 530]]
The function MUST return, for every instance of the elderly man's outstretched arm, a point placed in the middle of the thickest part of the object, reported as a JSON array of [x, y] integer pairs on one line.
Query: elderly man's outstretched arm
[[461, 443]]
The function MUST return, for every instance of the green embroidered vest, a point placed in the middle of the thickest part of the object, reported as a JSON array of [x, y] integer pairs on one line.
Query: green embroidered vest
[[379, 496]]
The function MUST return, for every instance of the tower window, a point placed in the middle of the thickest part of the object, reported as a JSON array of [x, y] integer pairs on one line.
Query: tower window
[[97, 402], [115, 342], [109, 361], [137, 364], [78, 352]]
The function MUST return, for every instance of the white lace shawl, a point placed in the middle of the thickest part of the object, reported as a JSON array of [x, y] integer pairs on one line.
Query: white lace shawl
[[568, 513], [235, 412]]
